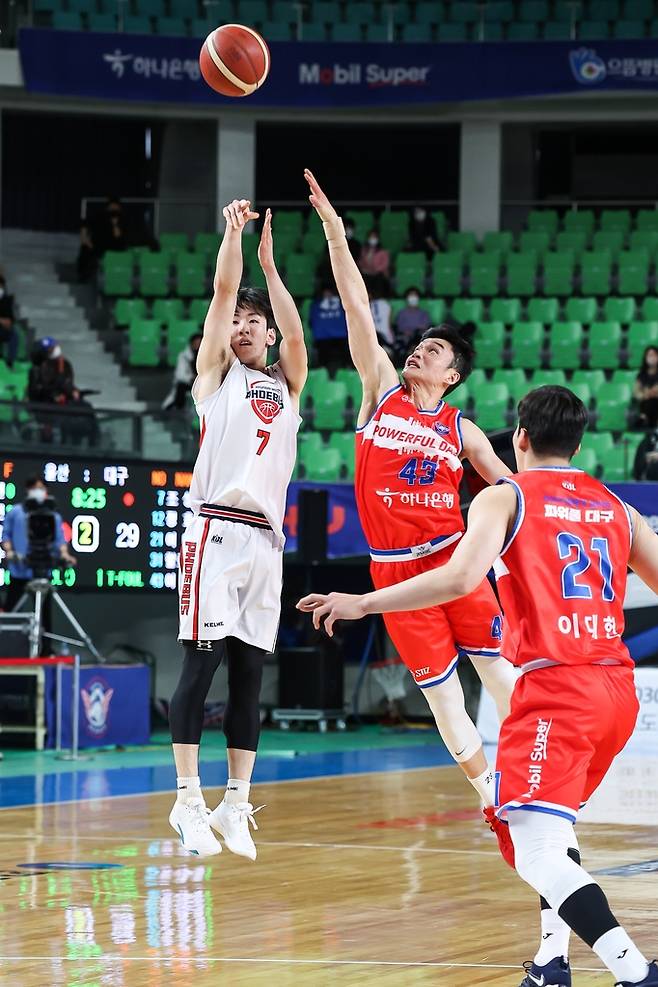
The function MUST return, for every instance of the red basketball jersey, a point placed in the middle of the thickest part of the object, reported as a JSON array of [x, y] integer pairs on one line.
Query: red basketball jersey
[[562, 574], [408, 473]]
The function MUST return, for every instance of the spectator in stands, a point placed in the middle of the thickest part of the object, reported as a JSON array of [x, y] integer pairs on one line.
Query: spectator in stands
[[51, 382], [8, 328], [329, 327], [645, 390], [184, 374], [87, 261], [411, 323], [645, 466], [110, 232], [354, 245], [381, 316], [423, 235], [375, 263]]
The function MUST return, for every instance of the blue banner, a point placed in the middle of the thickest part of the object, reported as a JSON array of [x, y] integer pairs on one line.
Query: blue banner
[[142, 67], [113, 705]]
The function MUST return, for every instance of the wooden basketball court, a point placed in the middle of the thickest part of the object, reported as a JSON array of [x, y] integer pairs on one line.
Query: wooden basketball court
[[386, 878]]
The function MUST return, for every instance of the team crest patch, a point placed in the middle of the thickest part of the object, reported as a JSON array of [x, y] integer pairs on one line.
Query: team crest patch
[[96, 700], [266, 400], [441, 428]]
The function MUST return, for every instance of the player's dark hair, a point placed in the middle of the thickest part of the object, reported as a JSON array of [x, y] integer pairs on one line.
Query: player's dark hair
[[463, 352], [258, 301], [32, 480], [555, 420]]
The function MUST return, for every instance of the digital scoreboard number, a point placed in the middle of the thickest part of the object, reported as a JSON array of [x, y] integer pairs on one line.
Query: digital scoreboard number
[[123, 522]]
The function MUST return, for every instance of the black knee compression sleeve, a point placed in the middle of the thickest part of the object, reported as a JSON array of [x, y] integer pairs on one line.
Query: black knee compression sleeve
[[242, 713], [186, 707]]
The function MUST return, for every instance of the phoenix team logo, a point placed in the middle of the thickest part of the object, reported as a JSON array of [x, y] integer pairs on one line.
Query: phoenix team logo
[[266, 400], [587, 67], [440, 428], [96, 700]]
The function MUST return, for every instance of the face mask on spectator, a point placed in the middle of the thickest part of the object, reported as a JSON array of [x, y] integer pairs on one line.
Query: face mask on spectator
[[349, 232], [38, 494], [56, 352], [413, 300], [373, 241], [420, 215]]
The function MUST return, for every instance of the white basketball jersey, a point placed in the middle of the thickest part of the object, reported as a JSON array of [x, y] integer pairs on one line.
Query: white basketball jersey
[[248, 444]]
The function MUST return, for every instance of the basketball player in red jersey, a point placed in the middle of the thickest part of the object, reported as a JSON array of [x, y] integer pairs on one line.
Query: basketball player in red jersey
[[409, 447], [561, 543], [232, 550]]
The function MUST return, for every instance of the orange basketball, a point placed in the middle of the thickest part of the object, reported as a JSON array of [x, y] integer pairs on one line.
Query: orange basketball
[[234, 60]]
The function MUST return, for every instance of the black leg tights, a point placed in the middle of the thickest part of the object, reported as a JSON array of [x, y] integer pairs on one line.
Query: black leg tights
[[242, 713]]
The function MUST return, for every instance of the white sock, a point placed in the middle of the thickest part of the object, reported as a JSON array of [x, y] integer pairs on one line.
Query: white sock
[[484, 786], [236, 791], [188, 789], [617, 950], [554, 937]]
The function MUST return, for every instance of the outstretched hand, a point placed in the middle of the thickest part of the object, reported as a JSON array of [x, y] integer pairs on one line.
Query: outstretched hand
[[332, 607], [318, 199], [266, 245], [238, 213]]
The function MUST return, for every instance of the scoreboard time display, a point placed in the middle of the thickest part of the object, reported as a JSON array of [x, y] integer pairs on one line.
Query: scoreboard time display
[[123, 521]]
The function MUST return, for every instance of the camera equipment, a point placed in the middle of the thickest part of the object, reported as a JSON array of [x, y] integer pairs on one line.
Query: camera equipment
[[41, 535]]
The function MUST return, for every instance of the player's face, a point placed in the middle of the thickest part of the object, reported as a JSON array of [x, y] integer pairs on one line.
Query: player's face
[[250, 337], [430, 363]]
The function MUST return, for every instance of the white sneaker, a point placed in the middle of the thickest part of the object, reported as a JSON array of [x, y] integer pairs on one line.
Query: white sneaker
[[190, 820], [232, 821]]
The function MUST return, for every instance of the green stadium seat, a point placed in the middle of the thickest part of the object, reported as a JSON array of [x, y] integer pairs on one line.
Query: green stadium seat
[[377, 33], [557, 31], [537, 241], [565, 342], [610, 240], [353, 386], [579, 220], [167, 309], [507, 310], [410, 271], [183, 8], [575, 241], [313, 244], [174, 27], [102, 23], [558, 272], [620, 376], [498, 11], [288, 222], [604, 341], [152, 8], [46, 6], [594, 378], [200, 27], [343, 443], [542, 378], [329, 406], [629, 442], [498, 241], [276, 31], [394, 229], [640, 335], [467, 309], [644, 240], [300, 274], [593, 30], [489, 344], [647, 220], [515, 381], [324, 467], [619, 310], [117, 270], [615, 466], [581, 310], [533, 11], [198, 310], [598, 442], [447, 274], [521, 274], [612, 404], [464, 241], [208, 244], [136, 24], [595, 272], [318, 379], [543, 221], [582, 391], [489, 32], [484, 273], [527, 344], [349, 33], [67, 20], [491, 403], [174, 241], [324, 12], [461, 397], [283, 11], [144, 343], [436, 309], [250, 11], [603, 10], [650, 309], [364, 221], [154, 274], [585, 460], [441, 221], [640, 10], [127, 309], [464, 12], [544, 310], [398, 13], [191, 275], [522, 31], [429, 12], [360, 12], [633, 272], [177, 335], [615, 220], [477, 379]]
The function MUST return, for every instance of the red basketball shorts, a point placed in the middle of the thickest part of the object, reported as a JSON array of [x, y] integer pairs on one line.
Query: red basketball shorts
[[428, 640], [566, 725]]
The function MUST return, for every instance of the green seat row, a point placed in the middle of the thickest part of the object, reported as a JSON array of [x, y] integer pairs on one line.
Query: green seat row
[[145, 342]]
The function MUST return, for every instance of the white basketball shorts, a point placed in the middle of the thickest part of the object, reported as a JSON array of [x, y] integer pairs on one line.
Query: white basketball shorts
[[229, 582]]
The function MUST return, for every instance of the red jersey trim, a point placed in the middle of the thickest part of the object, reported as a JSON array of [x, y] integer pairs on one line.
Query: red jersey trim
[[387, 394]]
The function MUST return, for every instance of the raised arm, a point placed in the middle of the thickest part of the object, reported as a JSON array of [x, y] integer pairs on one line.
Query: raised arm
[[479, 452], [490, 516], [215, 355], [375, 369], [293, 358]]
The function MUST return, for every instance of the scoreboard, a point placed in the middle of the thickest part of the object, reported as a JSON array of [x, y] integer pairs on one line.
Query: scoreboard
[[123, 521]]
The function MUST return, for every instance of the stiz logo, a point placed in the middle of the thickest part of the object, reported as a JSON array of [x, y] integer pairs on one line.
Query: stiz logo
[[217, 539], [422, 671]]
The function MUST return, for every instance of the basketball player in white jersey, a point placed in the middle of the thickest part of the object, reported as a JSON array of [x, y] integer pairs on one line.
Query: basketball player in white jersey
[[232, 551]]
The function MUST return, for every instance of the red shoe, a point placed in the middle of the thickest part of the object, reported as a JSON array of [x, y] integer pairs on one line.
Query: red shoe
[[501, 829]]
